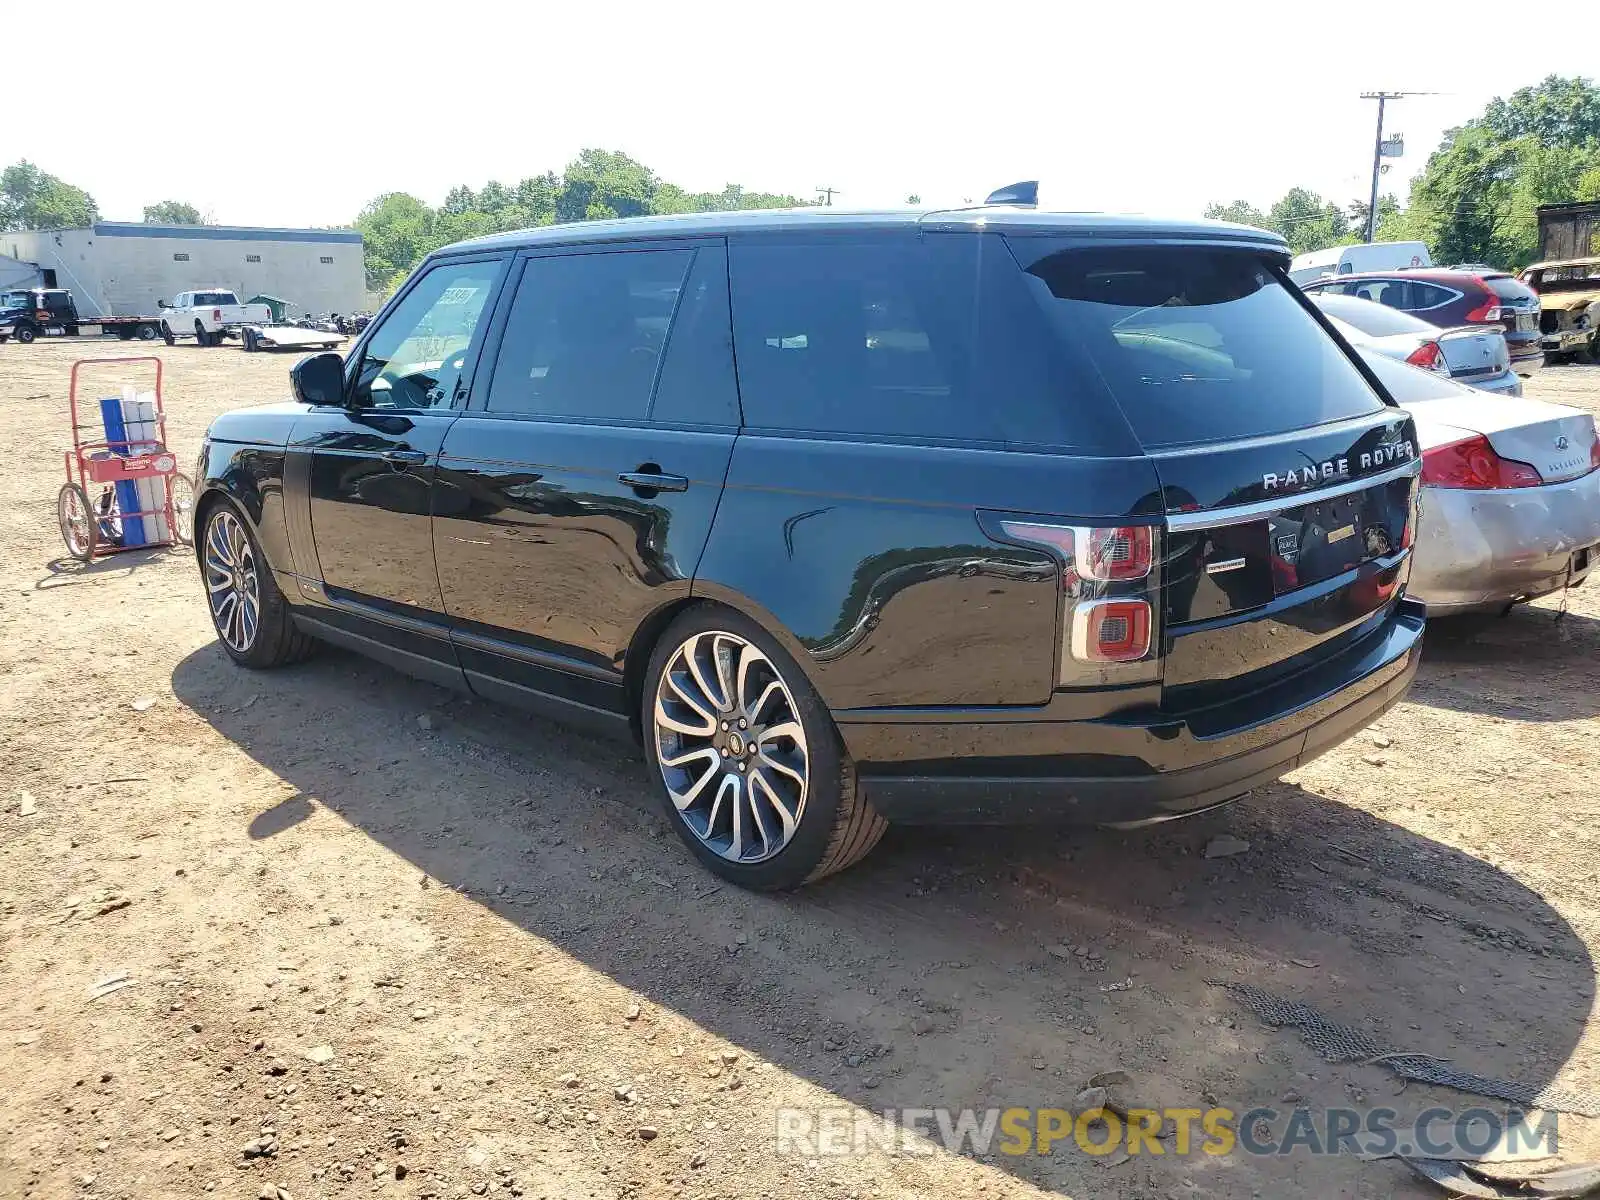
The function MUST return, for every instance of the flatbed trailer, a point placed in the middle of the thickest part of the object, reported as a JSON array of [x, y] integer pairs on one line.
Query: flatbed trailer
[[51, 313]]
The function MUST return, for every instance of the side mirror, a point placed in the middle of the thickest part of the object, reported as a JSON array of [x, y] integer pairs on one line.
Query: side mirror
[[162, 304], [319, 380]]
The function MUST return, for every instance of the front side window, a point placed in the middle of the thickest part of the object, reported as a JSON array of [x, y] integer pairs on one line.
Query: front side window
[[586, 332], [1196, 345], [416, 357]]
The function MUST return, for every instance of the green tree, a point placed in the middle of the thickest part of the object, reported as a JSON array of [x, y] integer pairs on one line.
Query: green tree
[[172, 212], [1240, 212], [913, 200], [605, 183], [1307, 221], [32, 199], [1478, 195], [397, 231], [400, 230], [1558, 111]]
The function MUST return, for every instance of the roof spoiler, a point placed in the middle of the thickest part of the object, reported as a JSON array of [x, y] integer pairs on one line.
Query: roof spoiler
[[1022, 195]]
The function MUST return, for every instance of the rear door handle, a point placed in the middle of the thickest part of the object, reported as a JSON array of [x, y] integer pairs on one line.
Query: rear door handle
[[414, 458], [654, 481]]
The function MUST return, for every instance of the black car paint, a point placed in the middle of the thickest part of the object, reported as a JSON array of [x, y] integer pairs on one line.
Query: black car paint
[[934, 644]]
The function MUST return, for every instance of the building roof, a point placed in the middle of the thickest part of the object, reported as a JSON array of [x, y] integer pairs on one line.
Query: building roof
[[840, 220], [222, 233]]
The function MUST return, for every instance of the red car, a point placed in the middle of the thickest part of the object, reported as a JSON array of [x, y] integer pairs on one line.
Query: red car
[[1453, 298]]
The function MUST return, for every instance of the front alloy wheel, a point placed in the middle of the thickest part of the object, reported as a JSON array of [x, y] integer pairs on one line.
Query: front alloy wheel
[[233, 585], [731, 747]]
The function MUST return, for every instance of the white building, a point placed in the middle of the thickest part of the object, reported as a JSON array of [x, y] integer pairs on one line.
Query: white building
[[124, 267]]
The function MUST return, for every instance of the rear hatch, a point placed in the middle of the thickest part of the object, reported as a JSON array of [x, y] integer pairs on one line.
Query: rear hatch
[[1518, 303], [1287, 482]]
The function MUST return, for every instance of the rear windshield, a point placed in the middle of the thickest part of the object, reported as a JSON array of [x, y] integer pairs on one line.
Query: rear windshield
[[1372, 319], [1507, 287], [1195, 344]]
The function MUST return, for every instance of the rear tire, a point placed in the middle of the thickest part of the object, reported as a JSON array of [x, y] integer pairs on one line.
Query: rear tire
[[768, 804], [147, 333], [249, 613]]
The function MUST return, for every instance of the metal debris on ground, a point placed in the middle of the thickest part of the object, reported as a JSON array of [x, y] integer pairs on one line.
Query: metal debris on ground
[[1340, 1043], [111, 983], [1472, 1179]]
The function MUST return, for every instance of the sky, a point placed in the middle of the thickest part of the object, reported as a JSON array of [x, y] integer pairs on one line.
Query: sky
[[302, 113]]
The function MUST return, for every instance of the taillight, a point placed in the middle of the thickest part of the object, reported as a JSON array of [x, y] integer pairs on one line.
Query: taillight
[[1594, 454], [1111, 630], [1429, 357], [1472, 463], [216, 314], [1108, 582], [1489, 310]]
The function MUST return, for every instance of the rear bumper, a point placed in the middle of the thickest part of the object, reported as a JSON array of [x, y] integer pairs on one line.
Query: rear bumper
[[1480, 551], [1528, 359], [976, 768], [1508, 383], [1560, 341]]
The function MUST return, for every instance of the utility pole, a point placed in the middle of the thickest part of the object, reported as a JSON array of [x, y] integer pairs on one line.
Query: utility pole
[[827, 194], [1377, 152]]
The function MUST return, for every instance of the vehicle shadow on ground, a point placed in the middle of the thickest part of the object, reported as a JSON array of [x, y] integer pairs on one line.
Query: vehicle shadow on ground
[[958, 968], [1519, 667]]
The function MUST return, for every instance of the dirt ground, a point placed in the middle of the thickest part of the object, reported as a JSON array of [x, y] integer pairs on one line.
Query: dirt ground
[[380, 939]]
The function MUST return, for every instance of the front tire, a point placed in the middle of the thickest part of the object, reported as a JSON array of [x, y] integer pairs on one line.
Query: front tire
[[754, 776], [249, 612], [25, 334]]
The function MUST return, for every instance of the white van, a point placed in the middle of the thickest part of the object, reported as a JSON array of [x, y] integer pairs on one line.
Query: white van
[[1347, 260]]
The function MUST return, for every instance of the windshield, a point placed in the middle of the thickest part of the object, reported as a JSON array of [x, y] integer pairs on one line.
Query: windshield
[[1374, 320], [16, 300], [1195, 344]]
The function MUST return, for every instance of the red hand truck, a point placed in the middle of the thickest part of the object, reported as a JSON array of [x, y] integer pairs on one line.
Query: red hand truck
[[92, 519]]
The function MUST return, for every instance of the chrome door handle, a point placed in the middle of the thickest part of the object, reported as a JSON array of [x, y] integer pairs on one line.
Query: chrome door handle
[[654, 481], [413, 458]]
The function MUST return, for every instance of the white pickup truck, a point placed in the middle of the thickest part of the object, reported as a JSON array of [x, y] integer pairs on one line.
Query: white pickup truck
[[209, 316]]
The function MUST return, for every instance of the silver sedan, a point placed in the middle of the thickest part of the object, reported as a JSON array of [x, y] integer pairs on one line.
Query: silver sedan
[[1469, 354], [1510, 493]]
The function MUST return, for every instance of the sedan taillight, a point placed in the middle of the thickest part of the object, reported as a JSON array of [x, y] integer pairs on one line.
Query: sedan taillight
[[1429, 357], [1472, 463]]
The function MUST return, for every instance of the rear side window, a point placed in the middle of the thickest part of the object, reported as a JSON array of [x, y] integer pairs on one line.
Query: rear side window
[[1428, 295], [905, 335], [586, 332], [1196, 345]]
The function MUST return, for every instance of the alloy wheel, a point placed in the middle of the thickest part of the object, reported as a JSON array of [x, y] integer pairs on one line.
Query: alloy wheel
[[232, 586], [731, 746]]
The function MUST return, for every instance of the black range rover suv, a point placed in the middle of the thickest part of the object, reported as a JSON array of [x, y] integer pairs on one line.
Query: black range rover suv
[[969, 516]]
